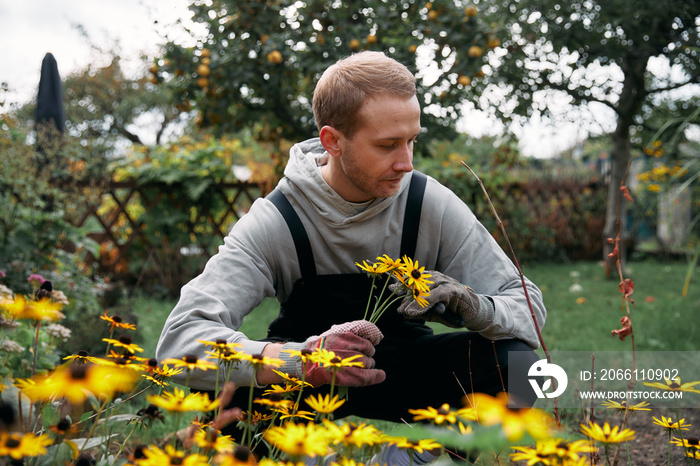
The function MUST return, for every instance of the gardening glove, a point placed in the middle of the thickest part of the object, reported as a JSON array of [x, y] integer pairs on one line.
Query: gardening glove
[[345, 340], [449, 303]]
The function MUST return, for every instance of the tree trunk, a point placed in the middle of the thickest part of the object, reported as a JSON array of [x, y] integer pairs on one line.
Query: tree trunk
[[631, 98], [615, 229]]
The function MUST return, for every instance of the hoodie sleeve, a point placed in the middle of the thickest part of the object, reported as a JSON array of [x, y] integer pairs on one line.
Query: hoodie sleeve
[[468, 253], [235, 280]]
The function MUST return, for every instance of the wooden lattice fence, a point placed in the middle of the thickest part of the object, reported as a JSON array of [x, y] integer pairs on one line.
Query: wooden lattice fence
[[156, 231]]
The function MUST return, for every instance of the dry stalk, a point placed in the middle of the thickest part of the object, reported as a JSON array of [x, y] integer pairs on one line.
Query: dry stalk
[[522, 280]]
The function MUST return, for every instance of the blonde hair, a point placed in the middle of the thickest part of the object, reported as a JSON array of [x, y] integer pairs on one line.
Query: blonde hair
[[345, 85]]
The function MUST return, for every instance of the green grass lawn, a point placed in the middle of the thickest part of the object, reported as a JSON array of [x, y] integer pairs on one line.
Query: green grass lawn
[[582, 308]]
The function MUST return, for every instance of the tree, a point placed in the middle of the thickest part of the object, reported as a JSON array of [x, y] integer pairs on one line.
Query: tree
[[602, 52], [258, 62], [103, 105]]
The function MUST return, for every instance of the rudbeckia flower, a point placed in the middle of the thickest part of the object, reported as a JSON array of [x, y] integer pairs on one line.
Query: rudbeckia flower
[[179, 402], [18, 446], [116, 322], [190, 362], [675, 385], [324, 404], [622, 406], [298, 439], [77, 382], [607, 434], [668, 424], [438, 416], [415, 276], [157, 457]]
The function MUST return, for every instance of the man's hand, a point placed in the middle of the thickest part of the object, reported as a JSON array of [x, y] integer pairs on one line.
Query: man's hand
[[449, 303], [345, 340]]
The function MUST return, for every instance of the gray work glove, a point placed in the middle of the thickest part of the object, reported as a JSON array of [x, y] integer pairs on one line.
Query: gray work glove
[[345, 340], [449, 303]]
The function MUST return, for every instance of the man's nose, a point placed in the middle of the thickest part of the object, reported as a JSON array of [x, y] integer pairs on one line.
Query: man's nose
[[404, 161]]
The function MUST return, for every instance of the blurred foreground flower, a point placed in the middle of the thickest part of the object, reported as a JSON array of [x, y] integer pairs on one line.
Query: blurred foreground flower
[[18, 446], [76, 382], [554, 451], [178, 401], [42, 310], [489, 410]]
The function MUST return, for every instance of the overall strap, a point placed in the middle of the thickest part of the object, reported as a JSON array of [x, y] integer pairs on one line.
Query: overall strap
[[409, 238], [296, 228], [411, 220]]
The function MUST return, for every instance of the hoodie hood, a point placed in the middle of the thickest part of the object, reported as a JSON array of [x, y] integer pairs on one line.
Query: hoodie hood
[[303, 183]]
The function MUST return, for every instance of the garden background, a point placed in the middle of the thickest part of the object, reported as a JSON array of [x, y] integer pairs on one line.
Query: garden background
[[119, 226]]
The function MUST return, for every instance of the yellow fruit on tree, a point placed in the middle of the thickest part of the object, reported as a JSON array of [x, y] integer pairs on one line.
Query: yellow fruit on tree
[[494, 42], [470, 11], [264, 38], [274, 57], [464, 80], [203, 70], [205, 52], [432, 14], [206, 60], [475, 51], [202, 82], [413, 48], [153, 69], [429, 5], [371, 39], [154, 80], [354, 44]]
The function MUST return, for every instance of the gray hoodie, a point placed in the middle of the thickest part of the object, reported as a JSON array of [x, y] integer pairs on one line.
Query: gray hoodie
[[258, 260]]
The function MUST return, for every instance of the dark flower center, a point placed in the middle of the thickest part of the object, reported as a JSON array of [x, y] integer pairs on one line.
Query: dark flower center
[[415, 273], [336, 360], [220, 341], [83, 353], [12, 443], [117, 319], [241, 453], [442, 411], [190, 359], [693, 441], [176, 460], [78, 372], [674, 385], [138, 452], [125, 339], [152, 362], [276, 397], [63, 425]]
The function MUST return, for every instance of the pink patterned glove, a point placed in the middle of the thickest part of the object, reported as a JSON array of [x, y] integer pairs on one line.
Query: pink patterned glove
[[345, 340]]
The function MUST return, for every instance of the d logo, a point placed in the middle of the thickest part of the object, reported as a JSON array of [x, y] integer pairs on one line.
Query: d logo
[[544, 369]]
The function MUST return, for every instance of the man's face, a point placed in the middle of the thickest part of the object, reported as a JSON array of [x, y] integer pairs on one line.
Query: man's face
[[380, 153]]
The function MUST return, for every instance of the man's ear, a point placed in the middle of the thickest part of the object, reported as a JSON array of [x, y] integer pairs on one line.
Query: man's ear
[[330, 138]]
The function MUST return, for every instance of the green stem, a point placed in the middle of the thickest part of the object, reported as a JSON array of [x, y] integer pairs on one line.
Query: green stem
[[246, 432], [369, 301], [121, 447], [94, 426]]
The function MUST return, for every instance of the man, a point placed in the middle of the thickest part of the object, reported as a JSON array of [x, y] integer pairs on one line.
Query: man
[[349, 196]]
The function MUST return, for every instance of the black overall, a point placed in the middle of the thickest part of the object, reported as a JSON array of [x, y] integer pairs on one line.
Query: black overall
[[423, 369]]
